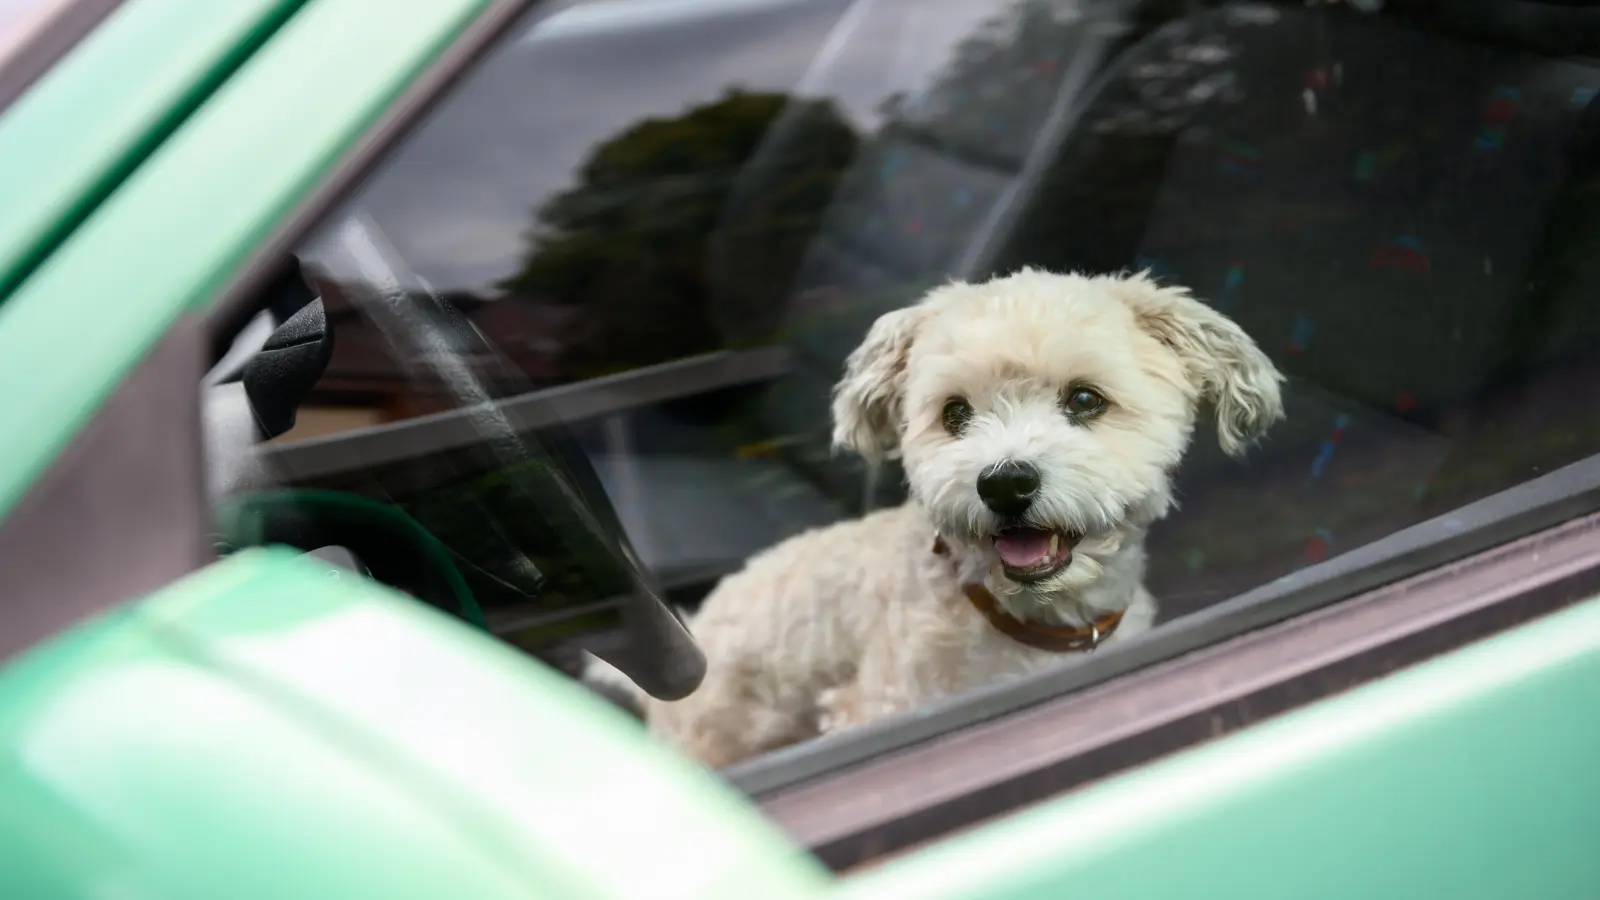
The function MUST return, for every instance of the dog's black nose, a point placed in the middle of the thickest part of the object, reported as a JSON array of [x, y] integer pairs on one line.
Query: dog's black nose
[[1008, 487]]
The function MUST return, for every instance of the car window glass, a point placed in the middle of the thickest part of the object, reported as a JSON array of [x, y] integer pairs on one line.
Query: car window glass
[[645, 236]]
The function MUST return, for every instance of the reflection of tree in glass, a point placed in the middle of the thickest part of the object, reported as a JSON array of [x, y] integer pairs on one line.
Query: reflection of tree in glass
[[629, 243], [997, 88]]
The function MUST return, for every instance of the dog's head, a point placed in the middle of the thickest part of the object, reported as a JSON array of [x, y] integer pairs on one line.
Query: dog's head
[[1041, 416]]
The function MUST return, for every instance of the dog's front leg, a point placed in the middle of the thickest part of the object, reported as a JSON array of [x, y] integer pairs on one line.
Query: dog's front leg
[[879, 689], [838, 708], [849, 706]]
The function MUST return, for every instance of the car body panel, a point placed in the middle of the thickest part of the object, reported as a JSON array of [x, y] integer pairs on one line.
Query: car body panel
[[174, 232], [1467, 776], [127, 85], [558, 788], [183, 747], [136, 767]]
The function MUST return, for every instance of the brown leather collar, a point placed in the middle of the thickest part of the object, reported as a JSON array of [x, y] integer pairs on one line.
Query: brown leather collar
[[1051, 638]]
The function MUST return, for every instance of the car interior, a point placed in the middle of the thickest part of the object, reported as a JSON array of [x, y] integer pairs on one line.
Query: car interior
[[1397, 200]]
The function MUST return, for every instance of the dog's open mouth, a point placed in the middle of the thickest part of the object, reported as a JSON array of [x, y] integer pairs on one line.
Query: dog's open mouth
[[1034, 554]]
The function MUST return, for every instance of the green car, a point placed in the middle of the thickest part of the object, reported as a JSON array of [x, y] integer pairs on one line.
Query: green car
[[373, 365]]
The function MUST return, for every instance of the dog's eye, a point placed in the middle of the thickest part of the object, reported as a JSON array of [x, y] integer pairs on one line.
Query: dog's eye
[[957, 413], [1082, 401]]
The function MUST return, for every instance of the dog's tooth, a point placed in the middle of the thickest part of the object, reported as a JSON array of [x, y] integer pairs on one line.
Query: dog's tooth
[[1055, 543]]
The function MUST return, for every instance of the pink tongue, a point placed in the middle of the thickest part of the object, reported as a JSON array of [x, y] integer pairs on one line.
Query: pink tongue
[[1023, 548]]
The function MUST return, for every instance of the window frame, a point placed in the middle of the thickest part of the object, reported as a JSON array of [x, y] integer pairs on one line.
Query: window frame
[[1439, 545], [882, 804], [237, 299], [59, 29], [1444, 583]]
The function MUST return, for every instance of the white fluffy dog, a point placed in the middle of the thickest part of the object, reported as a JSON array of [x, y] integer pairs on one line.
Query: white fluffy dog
[[1040, 418]]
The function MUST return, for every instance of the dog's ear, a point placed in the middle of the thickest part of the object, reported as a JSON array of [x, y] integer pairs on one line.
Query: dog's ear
[[867, 400], [1221, 360]]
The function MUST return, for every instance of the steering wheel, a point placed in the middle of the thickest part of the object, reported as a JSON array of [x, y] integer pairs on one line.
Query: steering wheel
[[395, 549]]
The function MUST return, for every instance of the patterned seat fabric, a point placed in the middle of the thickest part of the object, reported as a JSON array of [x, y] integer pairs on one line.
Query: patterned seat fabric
[[1406, 223], [1376, 206]]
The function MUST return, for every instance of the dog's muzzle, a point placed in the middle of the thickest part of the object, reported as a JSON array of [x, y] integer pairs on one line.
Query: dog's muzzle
[[1008, 487]]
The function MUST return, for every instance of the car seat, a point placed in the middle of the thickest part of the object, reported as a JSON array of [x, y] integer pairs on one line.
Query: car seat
[[1369, 200], [1371, 203]]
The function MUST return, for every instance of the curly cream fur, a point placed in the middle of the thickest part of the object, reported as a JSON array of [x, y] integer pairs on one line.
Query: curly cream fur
[[846, 624]]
